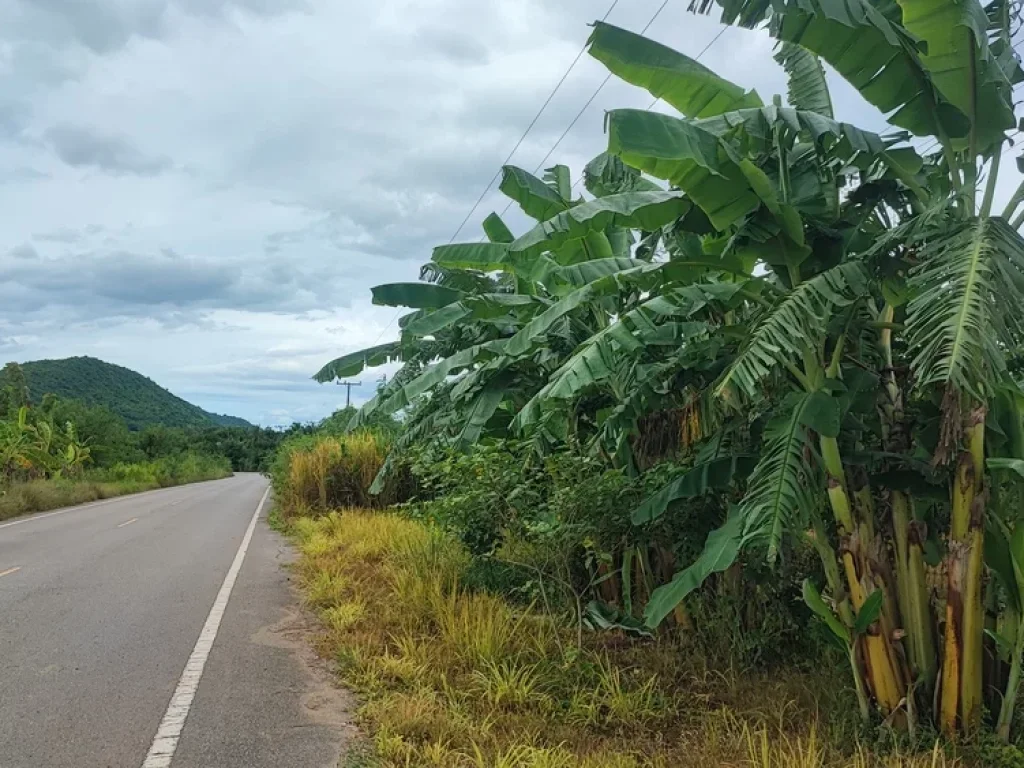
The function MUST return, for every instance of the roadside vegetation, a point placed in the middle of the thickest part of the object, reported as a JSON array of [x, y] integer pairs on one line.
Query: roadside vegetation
[[752, 406], [474, 654], [56, 453]]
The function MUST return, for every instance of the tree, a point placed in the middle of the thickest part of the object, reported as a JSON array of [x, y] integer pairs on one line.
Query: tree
[[824, 300], [14, 394]]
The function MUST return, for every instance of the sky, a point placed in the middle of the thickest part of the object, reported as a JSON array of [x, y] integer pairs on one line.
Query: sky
[[205, 190]]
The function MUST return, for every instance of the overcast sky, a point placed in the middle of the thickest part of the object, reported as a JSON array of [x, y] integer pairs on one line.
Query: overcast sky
[[205, 190]]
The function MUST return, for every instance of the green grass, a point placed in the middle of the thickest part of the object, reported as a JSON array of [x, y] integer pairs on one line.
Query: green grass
[[276, 521], [42, 495]]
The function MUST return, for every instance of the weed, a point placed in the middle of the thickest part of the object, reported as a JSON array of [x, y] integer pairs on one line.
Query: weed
[[464, 679], [326, 588], [344, 615], [508, 684]]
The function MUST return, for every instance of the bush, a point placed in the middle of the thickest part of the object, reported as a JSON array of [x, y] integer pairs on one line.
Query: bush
[[166, 471], [559, 532], [323, 472]]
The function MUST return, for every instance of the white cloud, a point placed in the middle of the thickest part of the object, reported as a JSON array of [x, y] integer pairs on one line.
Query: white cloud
[[205, 190]]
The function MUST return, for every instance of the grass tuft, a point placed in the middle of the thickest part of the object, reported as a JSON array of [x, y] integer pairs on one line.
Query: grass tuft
[[463, 679]]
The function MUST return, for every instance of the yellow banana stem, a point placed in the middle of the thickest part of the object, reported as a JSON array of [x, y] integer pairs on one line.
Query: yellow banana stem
[[882, 670], [974, 612], [950, 699], [963, 647]]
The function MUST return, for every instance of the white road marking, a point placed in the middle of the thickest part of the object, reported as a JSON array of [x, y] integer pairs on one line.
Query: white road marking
[[128, 522], [104, 502], [167, 735], [30, 518], [9, 571]]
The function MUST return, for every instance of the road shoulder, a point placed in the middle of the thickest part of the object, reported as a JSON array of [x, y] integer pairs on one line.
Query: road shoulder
[[266, 700]]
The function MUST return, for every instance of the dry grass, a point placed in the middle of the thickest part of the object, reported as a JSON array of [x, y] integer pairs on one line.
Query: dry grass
[[332, 471], [465, 680]]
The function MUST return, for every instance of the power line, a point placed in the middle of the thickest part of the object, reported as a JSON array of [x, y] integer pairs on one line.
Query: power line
[[593, 96], [533, 122], [651, 106], [703, 50]]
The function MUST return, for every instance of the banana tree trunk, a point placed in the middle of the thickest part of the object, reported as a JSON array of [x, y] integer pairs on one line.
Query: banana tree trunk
[[909, 534], [830, 564], [885, 677], [962, 662], [919, 620]]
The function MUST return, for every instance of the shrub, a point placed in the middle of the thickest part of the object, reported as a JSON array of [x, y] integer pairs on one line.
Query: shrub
[[322, 472]]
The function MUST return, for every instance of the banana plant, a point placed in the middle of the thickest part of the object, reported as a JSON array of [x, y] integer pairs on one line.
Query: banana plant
[[843, 301], [962, 271], [503, 314]]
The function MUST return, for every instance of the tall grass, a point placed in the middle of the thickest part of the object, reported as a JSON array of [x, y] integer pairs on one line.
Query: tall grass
[[464, 680], [315, 473]]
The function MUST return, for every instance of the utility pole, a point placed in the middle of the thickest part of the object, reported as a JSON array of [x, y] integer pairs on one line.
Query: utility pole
[[348, 389]]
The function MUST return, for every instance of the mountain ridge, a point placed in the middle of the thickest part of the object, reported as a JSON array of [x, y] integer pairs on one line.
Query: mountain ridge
[[136, 398]]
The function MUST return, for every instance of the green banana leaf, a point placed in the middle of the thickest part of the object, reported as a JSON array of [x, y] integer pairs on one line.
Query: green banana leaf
[[961, 64], [687, 156], [684, 83], [415, 295], [720, 551], [635, 210], [353, 363], [716, 474], [537, 199]]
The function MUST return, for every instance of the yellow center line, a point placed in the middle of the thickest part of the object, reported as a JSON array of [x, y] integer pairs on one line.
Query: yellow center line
[[127, 522], [9, 571]]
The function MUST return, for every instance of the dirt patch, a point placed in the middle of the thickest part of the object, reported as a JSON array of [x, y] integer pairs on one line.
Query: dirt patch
[[324, 702]]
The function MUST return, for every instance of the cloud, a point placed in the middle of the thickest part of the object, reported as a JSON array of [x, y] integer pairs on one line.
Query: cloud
[[106, 26], [24, 251], [100, 26], [61, 235], [80, 146], [454, 44], [21, 175], [205, 190]]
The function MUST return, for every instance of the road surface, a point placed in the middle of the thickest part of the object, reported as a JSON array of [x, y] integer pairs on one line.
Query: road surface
[[158, 630]]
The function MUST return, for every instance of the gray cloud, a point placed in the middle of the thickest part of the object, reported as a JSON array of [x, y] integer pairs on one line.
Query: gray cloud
[[454, 44], [105, 26], [80, 146], [100, 26], [24, 251], [62, 235], [22, 174], [252, 167]]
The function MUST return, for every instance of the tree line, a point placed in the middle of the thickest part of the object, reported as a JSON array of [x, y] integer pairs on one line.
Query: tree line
[[44, 436]]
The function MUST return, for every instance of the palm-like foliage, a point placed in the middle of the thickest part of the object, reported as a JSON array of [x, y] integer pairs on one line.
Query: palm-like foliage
[[782, 285]]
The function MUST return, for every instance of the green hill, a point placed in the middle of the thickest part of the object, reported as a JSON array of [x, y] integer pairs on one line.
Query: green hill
[[135, 398]]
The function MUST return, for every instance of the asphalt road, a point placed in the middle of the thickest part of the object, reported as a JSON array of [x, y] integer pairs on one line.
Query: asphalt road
[[113, 624]]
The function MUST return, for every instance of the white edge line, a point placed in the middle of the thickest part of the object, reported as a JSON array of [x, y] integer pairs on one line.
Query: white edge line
[[167, 735], [103, 502]]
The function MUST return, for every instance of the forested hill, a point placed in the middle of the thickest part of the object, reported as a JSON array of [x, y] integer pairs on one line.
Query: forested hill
[[135, 398]]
